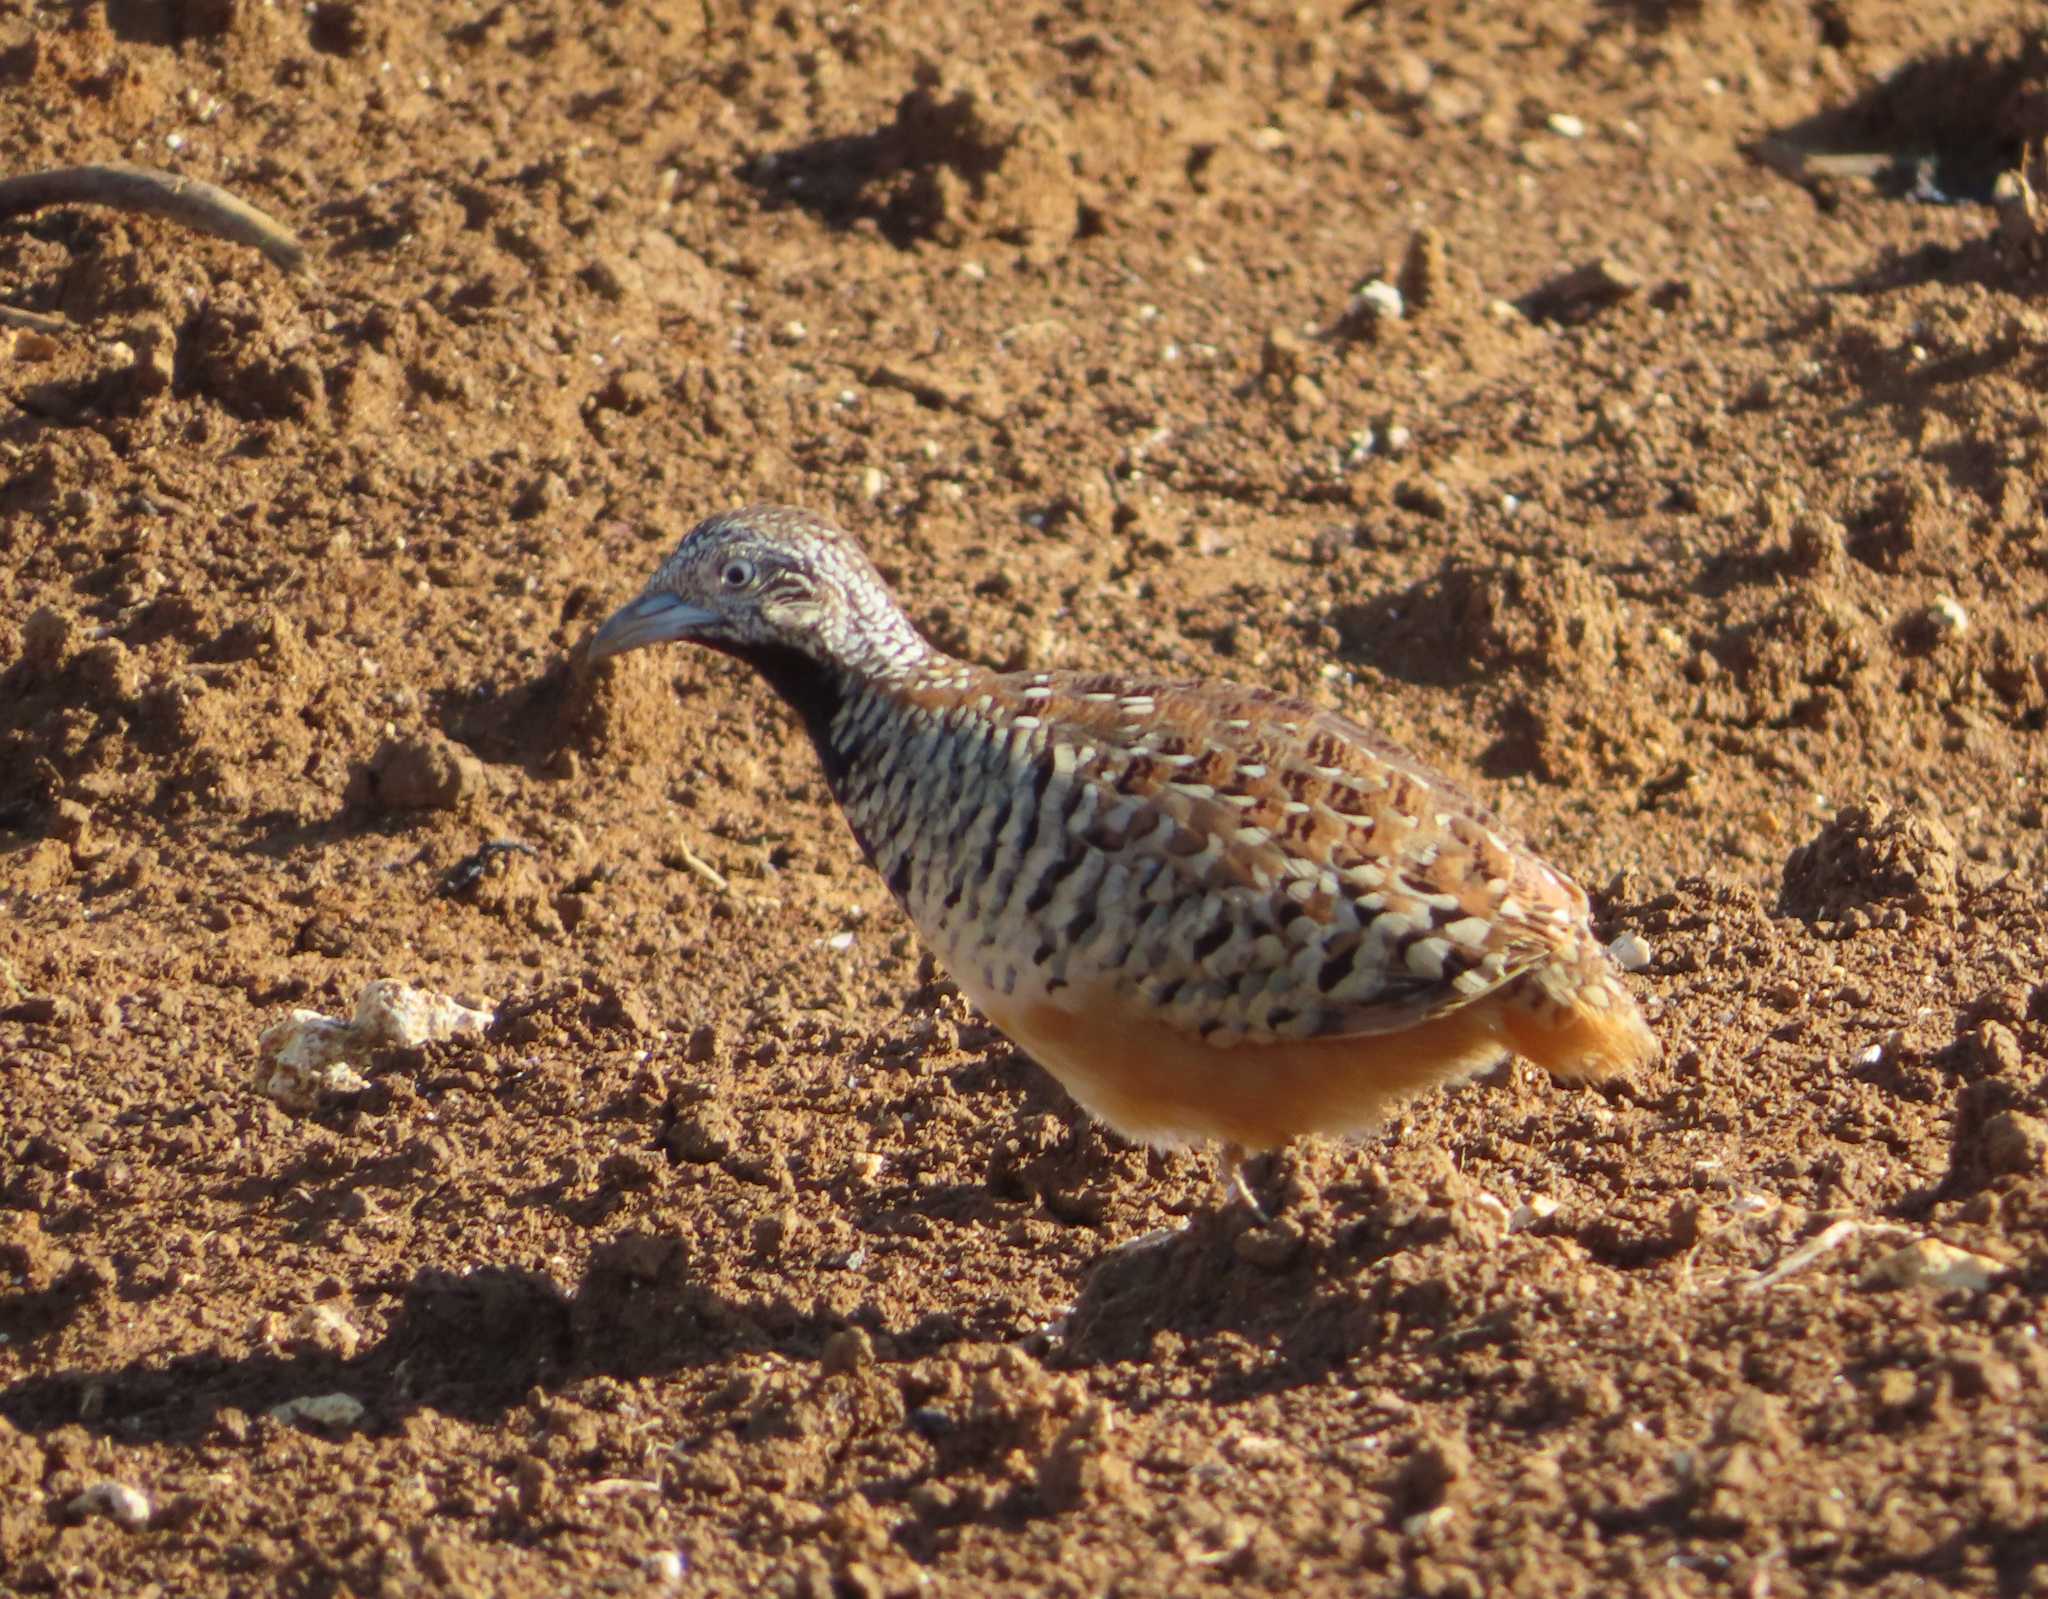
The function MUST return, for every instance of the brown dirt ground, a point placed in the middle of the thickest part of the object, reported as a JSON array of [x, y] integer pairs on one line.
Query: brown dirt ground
[[742, 1257]]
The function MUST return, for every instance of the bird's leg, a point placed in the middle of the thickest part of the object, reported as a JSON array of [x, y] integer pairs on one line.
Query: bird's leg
[[1231, 1186]]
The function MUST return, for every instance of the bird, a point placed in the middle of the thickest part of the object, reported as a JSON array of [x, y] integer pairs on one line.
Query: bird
[[1216, 914]]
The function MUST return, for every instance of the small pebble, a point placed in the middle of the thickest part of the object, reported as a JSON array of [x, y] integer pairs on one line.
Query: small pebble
[[124, 1506], [326, 1327], [1948, 616], [1631, 952], [1384, 299], [1566, 126], [323, 1410], [1930, 1263], [1537, 1207]]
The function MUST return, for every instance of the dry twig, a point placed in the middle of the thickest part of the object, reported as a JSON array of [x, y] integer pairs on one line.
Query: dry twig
[[124, 186], [34, 321]]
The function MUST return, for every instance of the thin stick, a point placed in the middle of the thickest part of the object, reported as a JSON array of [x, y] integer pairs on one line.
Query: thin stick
[[34, 321], [127, 187]]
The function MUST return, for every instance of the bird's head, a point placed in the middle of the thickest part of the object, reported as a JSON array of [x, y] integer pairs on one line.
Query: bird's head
[[765, 582]]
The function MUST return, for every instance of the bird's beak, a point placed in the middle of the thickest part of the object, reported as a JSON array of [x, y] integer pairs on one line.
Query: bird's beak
[[655, 618]]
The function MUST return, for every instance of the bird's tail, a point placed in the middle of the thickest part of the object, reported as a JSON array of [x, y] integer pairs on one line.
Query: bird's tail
[[1573, 1017]]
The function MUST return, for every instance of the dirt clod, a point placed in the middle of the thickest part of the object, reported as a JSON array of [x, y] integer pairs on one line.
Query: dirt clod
[[425, 772], [1872, 857]]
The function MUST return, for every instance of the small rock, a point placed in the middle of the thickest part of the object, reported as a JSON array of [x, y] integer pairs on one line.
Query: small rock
[[622, 1008], [1753, 1417], [322, 1410], [2019, 211], [1872, 855], [1272, 1247], [305, 1059], [397, 1015], [705, 1137], [533, 1485], [300, 1062], [1994, 1049], [1947, 618], [848, 1350], [44, 866], [1929, 1263], [1384, 298], [126, 1507], [1438, 1470], [1817, 544], [72, 822], [1565, 125], [1583, 292], [1631, 952], [1537, 1207], [45, 637], [773, 1233], [2014, 1142], [1282, 355], [326, 1328], [1398, 80], [1084, 1464], [421, 772], [153, 347], [630, 392], [1371, 311], [1425, 275]]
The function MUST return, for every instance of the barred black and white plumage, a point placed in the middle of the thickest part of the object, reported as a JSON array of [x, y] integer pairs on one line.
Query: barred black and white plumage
[[1211, 911]]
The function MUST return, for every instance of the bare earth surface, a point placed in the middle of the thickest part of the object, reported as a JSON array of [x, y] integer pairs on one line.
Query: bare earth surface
[[739, 1256]]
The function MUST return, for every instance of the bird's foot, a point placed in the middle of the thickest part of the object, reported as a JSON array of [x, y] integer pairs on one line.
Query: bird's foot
[[1231, 1187]]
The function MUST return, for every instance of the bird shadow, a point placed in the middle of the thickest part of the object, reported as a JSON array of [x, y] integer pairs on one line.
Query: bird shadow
[[473, 1345]]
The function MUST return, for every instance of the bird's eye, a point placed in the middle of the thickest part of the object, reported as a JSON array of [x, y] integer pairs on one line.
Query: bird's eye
[[737, 574]]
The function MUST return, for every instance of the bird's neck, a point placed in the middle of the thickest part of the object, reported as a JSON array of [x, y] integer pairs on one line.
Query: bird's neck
[[817, 689], [814, 689]]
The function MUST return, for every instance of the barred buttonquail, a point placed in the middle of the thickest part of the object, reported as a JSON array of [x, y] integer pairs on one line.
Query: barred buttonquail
[[1211, 912]]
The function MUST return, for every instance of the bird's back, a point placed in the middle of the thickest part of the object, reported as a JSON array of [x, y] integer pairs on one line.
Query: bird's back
[[1197, 881]]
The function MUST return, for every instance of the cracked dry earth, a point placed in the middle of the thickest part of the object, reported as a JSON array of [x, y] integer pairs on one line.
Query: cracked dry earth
[[1680, 487]]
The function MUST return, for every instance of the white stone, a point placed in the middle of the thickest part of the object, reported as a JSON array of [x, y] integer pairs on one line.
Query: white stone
[[122, 1505], [1948, 615], [300, 1061], [306, 1058], [1384, 299], [1929, 1263], [1537, 1207], [396, 1015], [1631, 952]]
